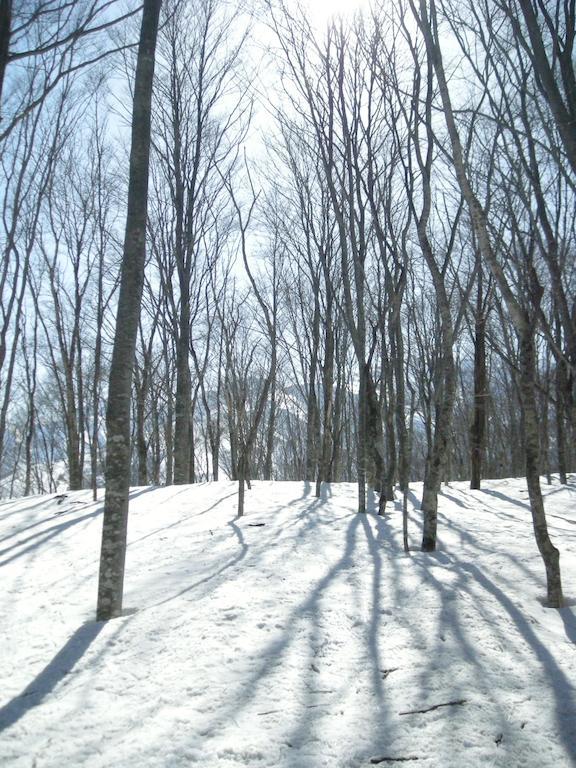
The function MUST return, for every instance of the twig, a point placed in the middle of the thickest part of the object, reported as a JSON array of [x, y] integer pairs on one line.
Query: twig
[[386, 672], [376, 760], [434, 706]]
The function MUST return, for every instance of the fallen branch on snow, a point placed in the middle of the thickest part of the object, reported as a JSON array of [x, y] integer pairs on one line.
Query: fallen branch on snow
[[377, 760], [434, 706], [386, 672]]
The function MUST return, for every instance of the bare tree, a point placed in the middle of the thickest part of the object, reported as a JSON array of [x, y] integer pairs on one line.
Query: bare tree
[[113, 550], [522, 319]]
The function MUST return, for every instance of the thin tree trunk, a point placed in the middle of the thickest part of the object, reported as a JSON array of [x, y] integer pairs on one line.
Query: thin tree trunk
[[241, 484], [560, 415], [478, 429], [548, 551], [324, 474], [156, 452], [141, 442], [438, 454], [182, 446], [397, 352], [5, 31], [215, 444], [96, 394], [31, 381], [270, 432], [388, 403], [361, 436]]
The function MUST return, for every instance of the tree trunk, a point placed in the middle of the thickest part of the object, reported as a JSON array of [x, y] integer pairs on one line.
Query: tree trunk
[[437, 458], [156, 451], [215, 445], [232, 435], [397, 353], [271, 430], [182, 446], [478, 429], [241, 483], [361, 436], [375, 439], [5, 31], [141, 442], [388, 404], [113, 551], [548, 551], [560, 414], [169, 440], [31, 381], [324, 473], [313, 411]]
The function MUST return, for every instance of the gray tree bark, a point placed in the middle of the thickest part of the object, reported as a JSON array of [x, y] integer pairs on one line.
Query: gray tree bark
[[113, 550], [524, 327]]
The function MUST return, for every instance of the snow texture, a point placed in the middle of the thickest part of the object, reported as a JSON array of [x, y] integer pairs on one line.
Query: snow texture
[[307, 640]]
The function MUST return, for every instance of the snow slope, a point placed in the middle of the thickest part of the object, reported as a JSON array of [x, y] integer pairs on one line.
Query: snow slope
[[308, 641]]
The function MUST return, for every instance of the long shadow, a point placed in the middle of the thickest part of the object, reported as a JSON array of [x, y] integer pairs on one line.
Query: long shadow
[[416, 501], [559, 488], [374, 628], [181, 520], [42, 521], [525, 505], [454, 499], [20, 510], [451, 630], [569, 621], [230, 564], [56, 670], [141, 491], [216, 504], [58, 514], [450, 620], [563, 688], [316, 703], [276, 648], [507, 499], [564, 520], [42, 537], [306, 491], [472, 541], [307, 515]]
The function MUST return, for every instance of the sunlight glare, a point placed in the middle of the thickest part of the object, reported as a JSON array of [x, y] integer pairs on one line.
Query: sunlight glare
[[321, 11]]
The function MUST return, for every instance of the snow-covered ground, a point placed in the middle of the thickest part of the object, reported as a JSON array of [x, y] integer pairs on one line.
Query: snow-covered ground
[[307, 640]]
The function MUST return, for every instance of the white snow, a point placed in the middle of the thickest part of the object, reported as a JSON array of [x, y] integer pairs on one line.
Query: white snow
[[299, 643]]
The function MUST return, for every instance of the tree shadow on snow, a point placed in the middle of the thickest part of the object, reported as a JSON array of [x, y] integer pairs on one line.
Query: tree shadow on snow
[[310, 621], [562, 687], [237, 558], [50, 677], [569, 621], [508, 499], [42, 537]]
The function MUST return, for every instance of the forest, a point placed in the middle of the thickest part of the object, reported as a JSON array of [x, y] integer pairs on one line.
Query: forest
[[240, 241]]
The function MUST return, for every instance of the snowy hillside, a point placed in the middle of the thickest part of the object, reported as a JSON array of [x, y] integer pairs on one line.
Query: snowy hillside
[[299, 636]]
